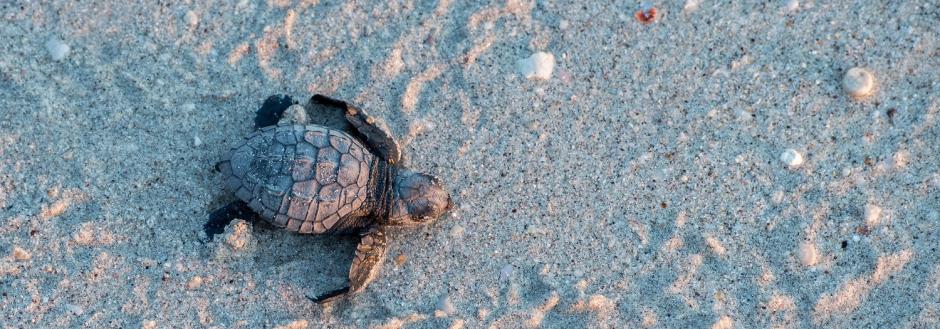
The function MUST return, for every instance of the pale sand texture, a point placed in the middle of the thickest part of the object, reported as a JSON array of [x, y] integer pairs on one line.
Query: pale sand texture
[[640, 186]]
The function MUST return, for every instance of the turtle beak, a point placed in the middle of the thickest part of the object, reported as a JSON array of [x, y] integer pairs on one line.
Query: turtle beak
[[450, 204]]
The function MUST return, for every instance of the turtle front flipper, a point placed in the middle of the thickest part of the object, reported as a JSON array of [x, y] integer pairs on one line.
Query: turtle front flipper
[[376, 134], [370, 254]]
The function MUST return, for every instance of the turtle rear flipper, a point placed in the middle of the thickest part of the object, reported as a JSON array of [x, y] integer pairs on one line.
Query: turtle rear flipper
[[331, 296], [272, 109], [338, 114], [220, 218], [370, 254]]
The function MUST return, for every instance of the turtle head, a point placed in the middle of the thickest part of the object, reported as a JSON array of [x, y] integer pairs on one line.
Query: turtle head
[[417, 198]]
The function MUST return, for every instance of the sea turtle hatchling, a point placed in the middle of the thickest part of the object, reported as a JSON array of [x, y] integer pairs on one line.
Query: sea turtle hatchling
[[336, 172]]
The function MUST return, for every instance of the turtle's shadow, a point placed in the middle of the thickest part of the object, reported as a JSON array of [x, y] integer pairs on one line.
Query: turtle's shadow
[[313, 263]]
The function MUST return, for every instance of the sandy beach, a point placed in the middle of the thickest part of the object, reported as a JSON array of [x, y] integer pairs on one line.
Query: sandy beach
[[714, 164]]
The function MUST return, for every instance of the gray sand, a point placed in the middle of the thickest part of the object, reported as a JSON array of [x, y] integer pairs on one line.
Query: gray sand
[[640, 186]]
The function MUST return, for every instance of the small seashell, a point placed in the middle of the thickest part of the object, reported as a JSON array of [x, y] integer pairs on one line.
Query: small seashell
[[858, 82], [791, 158], [539, 66]]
